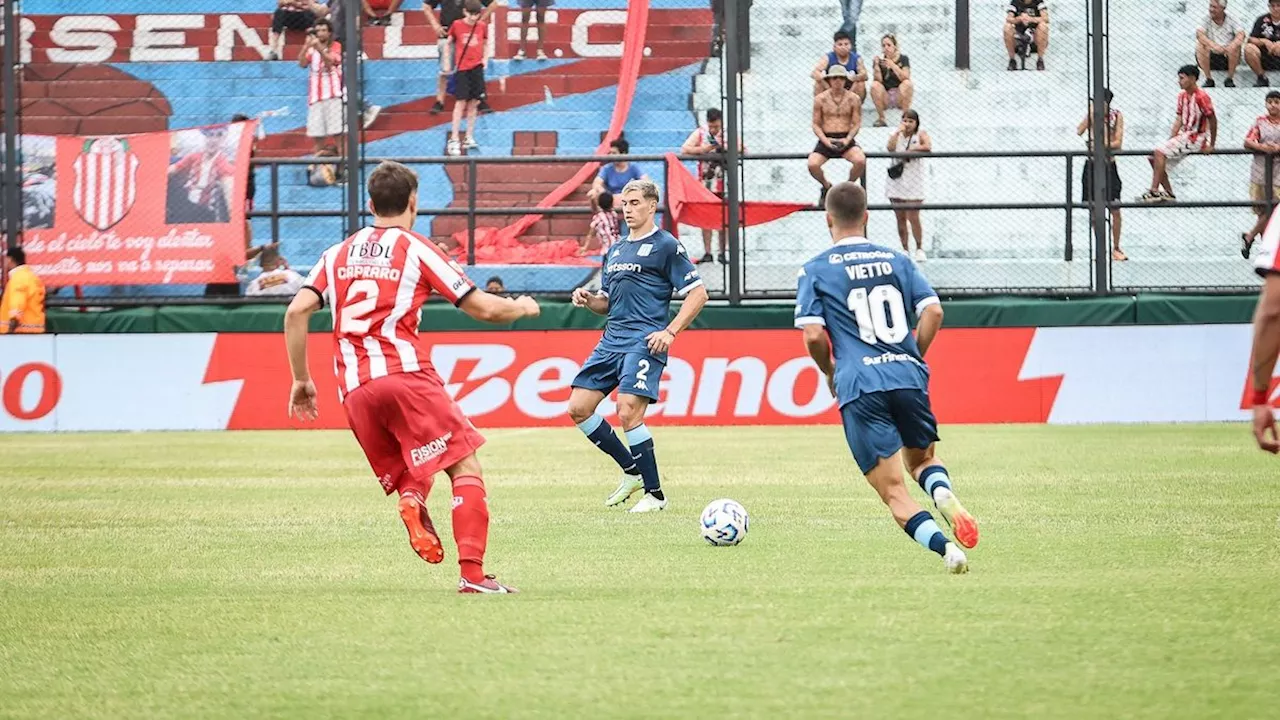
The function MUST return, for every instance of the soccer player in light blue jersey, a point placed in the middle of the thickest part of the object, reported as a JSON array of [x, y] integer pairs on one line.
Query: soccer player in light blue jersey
[[640, 273], [857, 303]]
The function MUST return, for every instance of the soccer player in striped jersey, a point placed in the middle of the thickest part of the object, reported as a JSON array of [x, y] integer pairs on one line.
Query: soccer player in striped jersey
[[1266, 337], [376, 282], [856, 304]]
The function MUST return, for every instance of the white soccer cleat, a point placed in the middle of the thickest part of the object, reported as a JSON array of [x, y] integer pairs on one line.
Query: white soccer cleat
[[630, 485], [920, 256], [649, 503], [956, 562], [962, 523]]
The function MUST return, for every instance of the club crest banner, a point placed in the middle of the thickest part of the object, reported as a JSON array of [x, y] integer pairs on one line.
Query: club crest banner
[[155, 208]]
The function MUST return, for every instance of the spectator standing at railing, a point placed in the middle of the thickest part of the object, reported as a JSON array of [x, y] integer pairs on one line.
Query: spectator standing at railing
[[892, 86], [539, 9], [605, 229], [837, 117], [709, 140], [614, 176], [1263, 51], [298, 15], [842, 54], [469, 36], [450, 11], [1218, 42], [1023, 16], [905, 186], [1195, 130], [1263, 139], [22, 302], [1115, 142]]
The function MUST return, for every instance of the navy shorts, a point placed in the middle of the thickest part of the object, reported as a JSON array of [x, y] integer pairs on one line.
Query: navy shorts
[[879, 424], [633, 373]]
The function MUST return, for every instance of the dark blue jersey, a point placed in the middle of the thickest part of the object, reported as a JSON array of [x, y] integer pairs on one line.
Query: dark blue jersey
[[640, 273], [869, 298]]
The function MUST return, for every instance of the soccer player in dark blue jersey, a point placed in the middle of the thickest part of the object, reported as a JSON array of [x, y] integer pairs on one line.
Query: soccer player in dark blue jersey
[[857, 303], [640, 273]]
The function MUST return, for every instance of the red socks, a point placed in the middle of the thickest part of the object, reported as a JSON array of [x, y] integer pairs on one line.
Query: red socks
[[470, 525], [410, 485]]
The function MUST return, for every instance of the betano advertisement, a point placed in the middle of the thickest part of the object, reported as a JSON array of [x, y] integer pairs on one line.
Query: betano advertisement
[[1185, 373]]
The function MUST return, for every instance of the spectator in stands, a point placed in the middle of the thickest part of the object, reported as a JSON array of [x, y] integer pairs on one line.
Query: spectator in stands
[[1218, 42], [614, 176], [526, 7], [299, 15], [1263, 51], [379, 12], [495, 286], [469, 36], [892, 86], [837, 117], [1115, 142], [277, 278], [1263, 139], [709, 140], [1195, 130], [604, 230], [850, 11], [22, 303], [322, 56], [905, 186], [1027, 19], [717, 27], [450, 11], [842, 54]]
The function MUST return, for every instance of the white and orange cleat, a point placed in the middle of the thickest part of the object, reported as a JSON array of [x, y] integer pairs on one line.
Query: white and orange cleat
[[490, 586], [422, 534], [962, 523]]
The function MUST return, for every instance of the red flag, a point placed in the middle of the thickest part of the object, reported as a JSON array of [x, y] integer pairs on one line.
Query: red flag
[[693, 204]]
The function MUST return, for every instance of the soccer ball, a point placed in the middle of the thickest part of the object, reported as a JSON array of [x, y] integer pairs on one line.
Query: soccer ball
[[724, 522]]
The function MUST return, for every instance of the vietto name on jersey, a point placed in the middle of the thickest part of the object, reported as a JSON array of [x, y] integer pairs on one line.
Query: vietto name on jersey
[[639, 276]]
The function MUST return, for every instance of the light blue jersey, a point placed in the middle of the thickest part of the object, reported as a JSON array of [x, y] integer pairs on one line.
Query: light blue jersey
[[640, 273], [869, 299]]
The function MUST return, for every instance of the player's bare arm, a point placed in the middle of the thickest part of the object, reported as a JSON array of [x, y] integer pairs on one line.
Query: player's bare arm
[[497, 310], [660, 341], [297, 319], [1213, 134], [818, 344], [927, 327], [860, 72], [1177, 126], [596, 302], [432, 21], [1266, 346]]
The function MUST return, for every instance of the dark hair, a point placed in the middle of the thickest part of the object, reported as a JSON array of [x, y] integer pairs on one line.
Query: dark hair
[[239, 117], [622, 146], [912, 115], [714, 115], [495, 279], [1190, 71], [323, 21], [17, 255], [390, 187], [1109, 95], [841, 35], [605, 200], [473, 6], [1274, 94], [847, 203]]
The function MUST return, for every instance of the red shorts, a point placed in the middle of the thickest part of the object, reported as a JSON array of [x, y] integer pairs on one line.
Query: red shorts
[[407, 422]]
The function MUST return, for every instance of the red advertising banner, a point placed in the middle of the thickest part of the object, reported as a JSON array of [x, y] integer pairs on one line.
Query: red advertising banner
[[94, 212]]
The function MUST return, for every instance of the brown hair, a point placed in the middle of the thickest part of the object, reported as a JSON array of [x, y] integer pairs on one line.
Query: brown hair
[[390, 187], [847, 204], [473, 6]]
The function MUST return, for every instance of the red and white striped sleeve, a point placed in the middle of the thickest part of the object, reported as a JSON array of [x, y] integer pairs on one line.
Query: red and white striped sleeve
[[439, 273], [1267, 261], [320, 279], [1255, 131]]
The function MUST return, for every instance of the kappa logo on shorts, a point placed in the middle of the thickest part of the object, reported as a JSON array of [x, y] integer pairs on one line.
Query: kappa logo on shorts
[[431, 450], [640, 385]]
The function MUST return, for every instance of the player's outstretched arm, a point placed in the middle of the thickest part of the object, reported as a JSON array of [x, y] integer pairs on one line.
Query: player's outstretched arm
[[498, 310], [302, 396], [1266, 345], [928, 326], [596, 302]]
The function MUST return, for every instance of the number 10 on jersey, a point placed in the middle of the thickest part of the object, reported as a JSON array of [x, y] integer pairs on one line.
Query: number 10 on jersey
[[880, 313]]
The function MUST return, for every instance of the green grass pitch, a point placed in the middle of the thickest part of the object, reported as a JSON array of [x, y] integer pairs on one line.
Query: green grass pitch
[[1123, 572]]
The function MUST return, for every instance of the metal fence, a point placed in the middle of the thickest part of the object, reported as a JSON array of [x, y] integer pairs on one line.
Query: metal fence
[[1005, 204]]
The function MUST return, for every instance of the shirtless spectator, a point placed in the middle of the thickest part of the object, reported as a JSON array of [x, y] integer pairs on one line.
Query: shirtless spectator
[[837, 117], [842, 54]]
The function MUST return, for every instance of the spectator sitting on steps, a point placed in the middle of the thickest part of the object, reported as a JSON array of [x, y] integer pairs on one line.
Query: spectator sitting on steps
[[842, 54], [1263, 51], [892, 86], [1218, 42], [614, 176], [1195, 130], [277, 278], [837, 117], [1023, 18], [379, 12], [297, 15]]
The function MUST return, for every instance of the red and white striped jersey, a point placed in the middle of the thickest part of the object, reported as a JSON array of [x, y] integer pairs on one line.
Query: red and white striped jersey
[[376, 282], [326, 83], [1195, 109]]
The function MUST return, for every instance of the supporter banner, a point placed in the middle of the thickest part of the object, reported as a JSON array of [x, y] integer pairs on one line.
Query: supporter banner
[[154, 208]]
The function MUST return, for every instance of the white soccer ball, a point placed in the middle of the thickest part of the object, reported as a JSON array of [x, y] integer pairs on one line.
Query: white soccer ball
[[724, 522]]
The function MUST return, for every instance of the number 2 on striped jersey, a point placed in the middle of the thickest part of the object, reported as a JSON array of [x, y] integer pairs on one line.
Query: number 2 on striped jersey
[[355, 312], [880, 314]]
